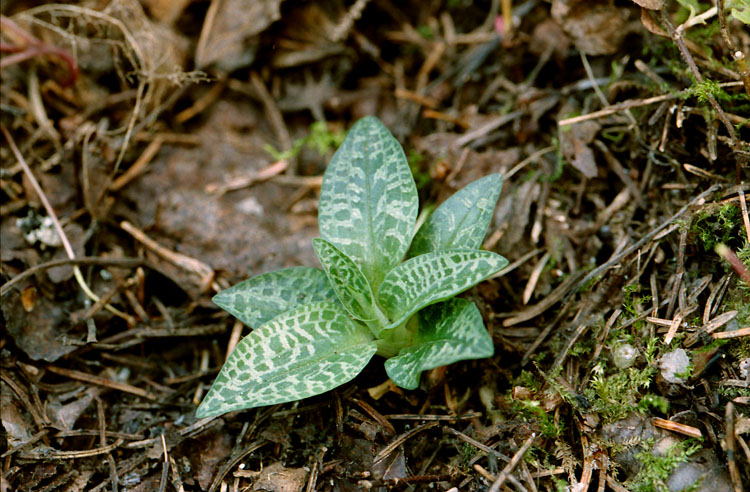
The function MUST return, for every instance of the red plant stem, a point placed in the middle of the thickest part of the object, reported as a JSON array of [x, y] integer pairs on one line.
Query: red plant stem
[[739, 268], [34, 47]]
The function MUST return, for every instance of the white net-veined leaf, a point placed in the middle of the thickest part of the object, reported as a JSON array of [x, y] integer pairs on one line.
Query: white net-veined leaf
[[347, 280], [301, 353], [265, 296], [461, 221], [434, 277], [448, 332], [368, 200]]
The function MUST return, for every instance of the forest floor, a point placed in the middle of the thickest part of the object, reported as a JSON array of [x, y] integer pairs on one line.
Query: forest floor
[[157, 152]]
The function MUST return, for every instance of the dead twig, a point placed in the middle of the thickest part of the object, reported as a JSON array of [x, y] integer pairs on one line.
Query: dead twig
[[617, 257], [100, 381], [139, 165], [684, 429], [399, 440], [68, 455], [204, 272], [738, 55], [677, 38], [512, 464], [739, 268], [32, 47], [268, 172], [233, 461], [616, 108], [729, 439], [81, 260], [343, 27], [103, 442], [51, 212]]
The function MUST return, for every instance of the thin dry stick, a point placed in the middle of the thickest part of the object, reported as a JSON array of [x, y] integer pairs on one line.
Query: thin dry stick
[[234, 338], [140, 164], [83, 12], [477, 444], [534, 277], [81, 260], [510, 466], [597, 89], [51, 212], [165, 465], [68, 455], [103, 442], [345, 24], [204, 271], [399, 440], [273, 114], [734, 472], [233, 461], [738, 55], [724, 335], [100, 381], [615, 108], [629, 250], [745, 218], [491, 478], [677, 38]]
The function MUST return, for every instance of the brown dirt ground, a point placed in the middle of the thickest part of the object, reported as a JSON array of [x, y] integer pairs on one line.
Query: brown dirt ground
[[147, 126]]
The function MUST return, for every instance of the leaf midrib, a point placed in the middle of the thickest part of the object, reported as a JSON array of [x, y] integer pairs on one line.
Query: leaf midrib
[[370, 275]]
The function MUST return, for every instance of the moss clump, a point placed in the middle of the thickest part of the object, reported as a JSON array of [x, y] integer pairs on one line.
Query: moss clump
[[655, 470]]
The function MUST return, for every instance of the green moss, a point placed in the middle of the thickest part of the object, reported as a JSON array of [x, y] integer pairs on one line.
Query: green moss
[[654, 402], [532, 410], [419, 170], [655, 470], [633, 299], [616, 395], [716, 225]]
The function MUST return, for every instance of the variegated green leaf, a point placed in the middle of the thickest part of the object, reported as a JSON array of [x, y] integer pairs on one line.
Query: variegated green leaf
[[349, 283], [261, 298], [368, 200], [461, 221], [448, 332], [304, 352], [434, 277]]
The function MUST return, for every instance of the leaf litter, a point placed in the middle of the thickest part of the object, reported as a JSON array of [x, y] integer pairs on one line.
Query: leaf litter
[[609, 226]]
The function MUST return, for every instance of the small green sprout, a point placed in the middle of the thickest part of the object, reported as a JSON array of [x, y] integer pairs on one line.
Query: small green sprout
[[317, 329]]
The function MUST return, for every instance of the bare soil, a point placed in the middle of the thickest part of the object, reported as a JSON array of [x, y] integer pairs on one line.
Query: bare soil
[[157, 152]]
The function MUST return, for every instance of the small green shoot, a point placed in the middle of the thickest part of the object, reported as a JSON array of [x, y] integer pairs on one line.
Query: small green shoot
[[717, 225], [383, 288], [320, 139]]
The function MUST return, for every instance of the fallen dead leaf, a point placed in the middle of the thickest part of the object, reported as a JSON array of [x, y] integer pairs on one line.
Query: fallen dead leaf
[[18, 428], [650, 4], [64, 416], [277, 478], [228, 30], [39, 333], [597, 28], [574, 145]]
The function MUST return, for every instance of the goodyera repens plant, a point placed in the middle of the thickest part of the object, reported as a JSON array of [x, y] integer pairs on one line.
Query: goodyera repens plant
[[317, 329]]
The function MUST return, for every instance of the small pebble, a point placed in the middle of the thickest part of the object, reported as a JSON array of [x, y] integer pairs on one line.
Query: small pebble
[[675, 365], [624, 355]]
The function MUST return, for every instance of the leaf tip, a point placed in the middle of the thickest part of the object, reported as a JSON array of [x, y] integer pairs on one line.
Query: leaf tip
[[222, 299], [204, 410]]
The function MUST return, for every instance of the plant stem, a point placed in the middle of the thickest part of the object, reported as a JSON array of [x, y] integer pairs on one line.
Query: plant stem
[[392, 341]]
